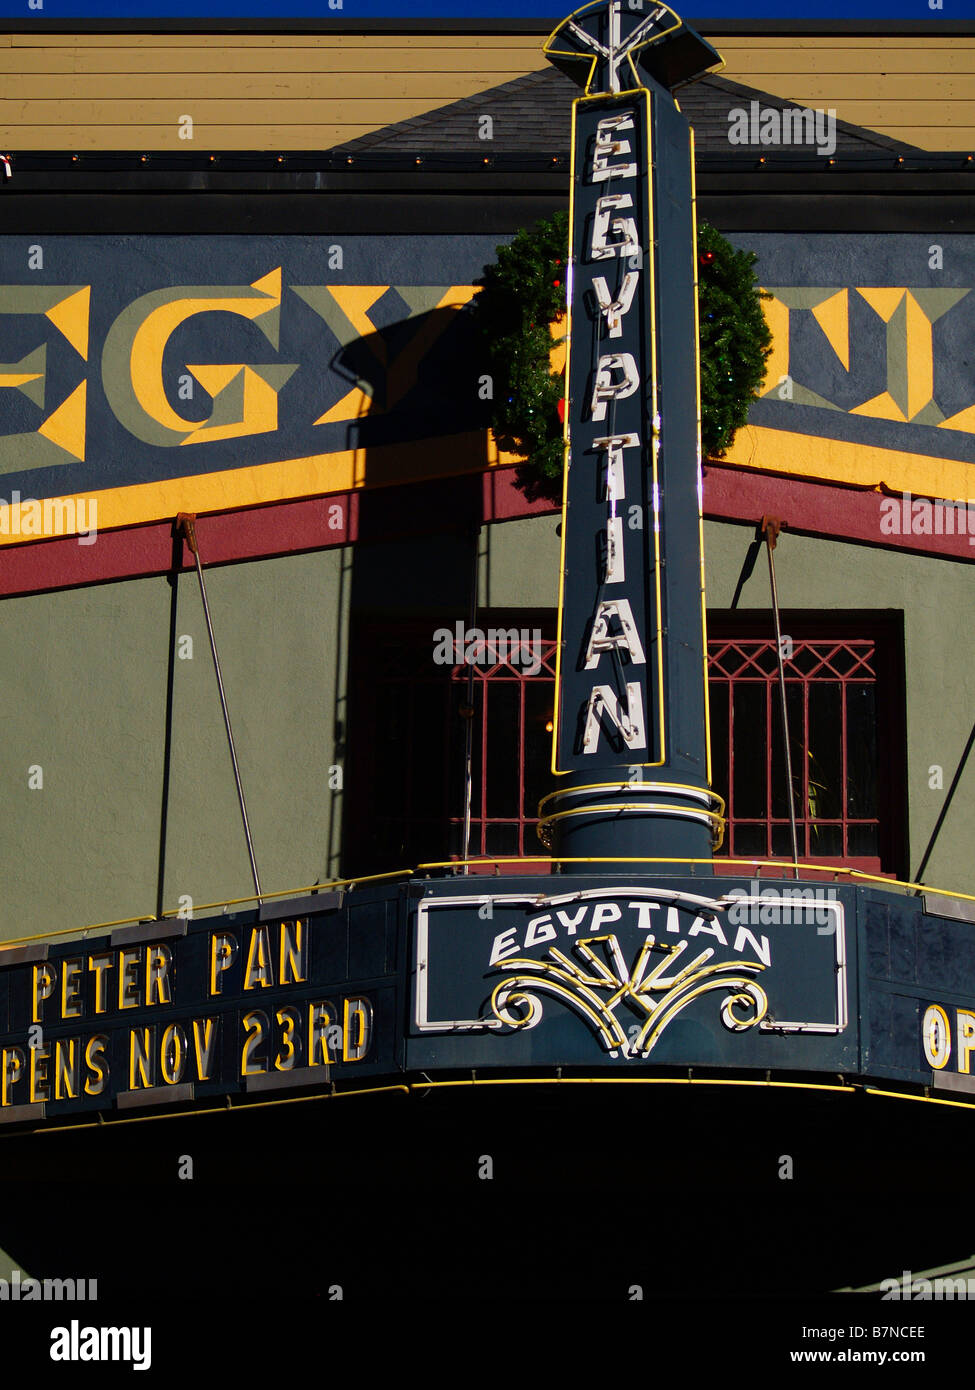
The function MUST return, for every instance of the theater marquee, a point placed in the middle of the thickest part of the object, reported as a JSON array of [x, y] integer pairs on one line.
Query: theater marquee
[[174, 1012], [620, 978]]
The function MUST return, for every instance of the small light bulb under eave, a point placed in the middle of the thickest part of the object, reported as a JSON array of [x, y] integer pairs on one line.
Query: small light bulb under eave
[[549, 726]]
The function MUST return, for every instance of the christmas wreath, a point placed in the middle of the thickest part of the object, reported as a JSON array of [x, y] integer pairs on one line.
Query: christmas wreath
[[520, 314]]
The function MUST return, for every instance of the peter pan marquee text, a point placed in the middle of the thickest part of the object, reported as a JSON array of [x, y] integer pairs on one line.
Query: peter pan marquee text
[[98, 988]]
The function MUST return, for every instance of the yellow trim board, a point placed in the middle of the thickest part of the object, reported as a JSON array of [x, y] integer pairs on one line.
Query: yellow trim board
[[287, 480], [840, 461]]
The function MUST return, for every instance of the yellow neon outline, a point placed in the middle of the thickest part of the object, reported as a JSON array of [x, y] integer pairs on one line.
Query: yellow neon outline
[[582, 1000], [259, 937], [39, 969], [626, 982], [485, 860], [286, 959], [320, 1018], [784, 864], [624, 785], [156, 952], [717, 821], [635, 94], [64, 989], [72, 1070], [686, 812], [548, 47], [100, 964], [251, 1042], [216, 984], [281, 1016], [16, 1055], [127, 957], [312, 890], [146, 1061], [201, 1045], [564, 979], [421, 1087], [655, 435], [700, 468], [566, 458], [658, 978], [32, 1085], [171, 1029], [647, 1037], [345, 1029], [947, 1026], [211, 1110], [97, 1042], [929, 1100]]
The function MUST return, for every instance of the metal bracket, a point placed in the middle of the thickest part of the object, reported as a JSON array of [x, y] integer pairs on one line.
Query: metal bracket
[[186, 527], [769, 528]]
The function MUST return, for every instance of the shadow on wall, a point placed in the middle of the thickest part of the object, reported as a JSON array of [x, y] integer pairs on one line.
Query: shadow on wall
[[421, 447]]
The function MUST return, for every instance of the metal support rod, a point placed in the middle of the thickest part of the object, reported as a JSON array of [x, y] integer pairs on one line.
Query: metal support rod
[[467, 710], [770, 529], [186, 523], [944, 809]]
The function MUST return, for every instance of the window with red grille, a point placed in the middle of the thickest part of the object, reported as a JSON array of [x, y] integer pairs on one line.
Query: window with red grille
[[831, 701], [512, 751], [844, 684]]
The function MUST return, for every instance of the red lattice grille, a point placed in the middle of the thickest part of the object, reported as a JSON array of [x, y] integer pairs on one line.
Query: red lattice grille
[[831, 703], [512, 753]]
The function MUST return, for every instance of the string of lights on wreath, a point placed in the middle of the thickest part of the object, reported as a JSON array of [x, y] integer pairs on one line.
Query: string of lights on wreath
[[520, 311]]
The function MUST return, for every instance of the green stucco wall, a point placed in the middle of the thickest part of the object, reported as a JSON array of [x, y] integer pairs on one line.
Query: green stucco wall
[[520, 567], [84, 698], [940, 667]]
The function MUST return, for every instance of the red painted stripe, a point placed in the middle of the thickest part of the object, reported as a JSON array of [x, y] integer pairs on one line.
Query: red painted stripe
[[504, 500], [816, 509], [287, 528]]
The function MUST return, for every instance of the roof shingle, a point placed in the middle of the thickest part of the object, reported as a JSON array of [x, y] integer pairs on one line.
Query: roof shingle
[[531, 116]]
